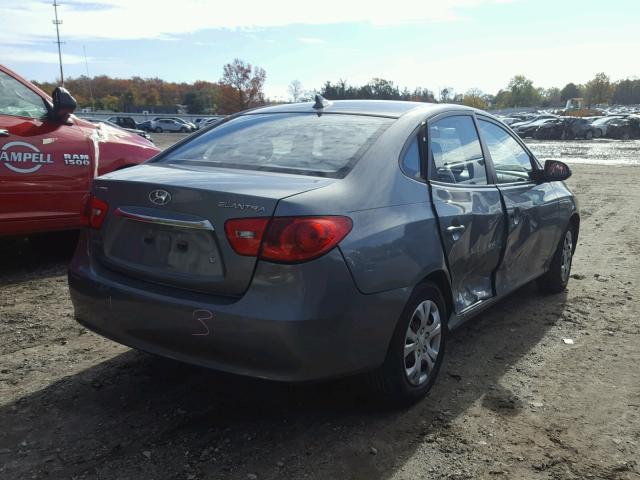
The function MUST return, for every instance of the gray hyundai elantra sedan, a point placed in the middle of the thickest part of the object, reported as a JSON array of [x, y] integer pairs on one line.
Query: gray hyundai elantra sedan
[[314, 240]]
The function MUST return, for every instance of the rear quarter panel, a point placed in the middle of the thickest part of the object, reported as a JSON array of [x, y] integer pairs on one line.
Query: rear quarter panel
[[394, 242]]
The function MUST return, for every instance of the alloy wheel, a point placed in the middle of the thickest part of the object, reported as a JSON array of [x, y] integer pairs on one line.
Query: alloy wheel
[[422, 342], [567, 254]]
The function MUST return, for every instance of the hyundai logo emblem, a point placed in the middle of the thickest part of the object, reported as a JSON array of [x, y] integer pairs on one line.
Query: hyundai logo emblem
[[160, 197]]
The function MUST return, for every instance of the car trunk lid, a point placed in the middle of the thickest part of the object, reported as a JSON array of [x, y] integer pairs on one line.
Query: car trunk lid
[[165, 224]]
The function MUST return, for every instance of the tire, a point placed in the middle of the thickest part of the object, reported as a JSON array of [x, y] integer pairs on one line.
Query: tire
[[557, 277], [399, 383], [158, 130], [626, 136], [183, 130], [588, 135], [597, 133]]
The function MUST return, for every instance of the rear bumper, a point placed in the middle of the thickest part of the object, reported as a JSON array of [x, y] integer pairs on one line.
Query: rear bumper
[[295, 322]]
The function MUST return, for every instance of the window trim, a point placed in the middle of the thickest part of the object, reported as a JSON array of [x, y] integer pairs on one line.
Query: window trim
[[535, 164], [430, 162]]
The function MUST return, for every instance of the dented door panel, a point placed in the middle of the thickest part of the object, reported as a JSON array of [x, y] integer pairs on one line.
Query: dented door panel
[[532, 233], [471, 222]]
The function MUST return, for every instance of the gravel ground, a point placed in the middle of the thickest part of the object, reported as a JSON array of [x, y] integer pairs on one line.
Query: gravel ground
[[513, 399]]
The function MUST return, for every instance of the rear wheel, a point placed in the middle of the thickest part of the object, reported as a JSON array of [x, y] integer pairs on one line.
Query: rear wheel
[[158, 130], [557, 277], [588, 135], [416, 350], [597, 133]]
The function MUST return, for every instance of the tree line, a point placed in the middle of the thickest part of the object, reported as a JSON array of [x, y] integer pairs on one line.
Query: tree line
[[241, 86], [520, 92]]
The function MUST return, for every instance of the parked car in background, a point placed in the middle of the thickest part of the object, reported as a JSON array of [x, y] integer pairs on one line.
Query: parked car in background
[[142, 133], [601, 124], [564, 128], [146, 126], [49, 157], [198, 122], [256, 246], [165, 125], [202, 122], [188, 126], [624, 128], [527, 129], [124, 122], [535, 118], [211, 121], [508, 120]]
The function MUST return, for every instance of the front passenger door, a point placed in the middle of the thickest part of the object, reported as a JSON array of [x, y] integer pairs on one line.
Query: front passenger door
[[468, 208]]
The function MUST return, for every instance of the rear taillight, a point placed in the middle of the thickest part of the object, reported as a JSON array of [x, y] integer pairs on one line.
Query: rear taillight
[[287, 239], [95, 213], [245, 234]]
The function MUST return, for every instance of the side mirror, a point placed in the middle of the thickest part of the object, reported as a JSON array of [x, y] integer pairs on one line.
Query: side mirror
[[556, 171], [63, 104]]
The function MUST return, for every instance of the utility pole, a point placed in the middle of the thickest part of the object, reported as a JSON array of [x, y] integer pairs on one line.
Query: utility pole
[[57, 23], [84, 49]]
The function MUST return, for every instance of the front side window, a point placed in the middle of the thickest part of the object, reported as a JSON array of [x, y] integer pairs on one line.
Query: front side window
[[307, 144], [19, 101], [511, 161], [457, 155]]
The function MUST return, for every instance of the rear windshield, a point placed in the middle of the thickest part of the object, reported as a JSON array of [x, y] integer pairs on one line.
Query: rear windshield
[[327, 145]]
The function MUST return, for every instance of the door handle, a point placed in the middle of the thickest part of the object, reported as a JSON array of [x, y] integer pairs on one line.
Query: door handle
[[455, 229], [4, 132]]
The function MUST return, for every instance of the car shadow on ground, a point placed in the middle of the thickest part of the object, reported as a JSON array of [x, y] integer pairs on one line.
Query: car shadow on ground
[[139, 416], [37, 256]]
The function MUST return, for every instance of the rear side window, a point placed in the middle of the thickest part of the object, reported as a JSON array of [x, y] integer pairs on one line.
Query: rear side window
[[411, 160], [511, 161], [327, 145], [457, 155]]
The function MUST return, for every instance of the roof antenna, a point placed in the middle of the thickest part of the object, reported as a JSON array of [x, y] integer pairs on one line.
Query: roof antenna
[[321, 102]]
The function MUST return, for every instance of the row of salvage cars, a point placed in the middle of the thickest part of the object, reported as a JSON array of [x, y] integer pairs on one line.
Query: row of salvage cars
[[553, 127]]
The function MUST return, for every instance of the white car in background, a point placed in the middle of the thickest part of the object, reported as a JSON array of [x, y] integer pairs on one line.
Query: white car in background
[[161, 125], [601, 124]]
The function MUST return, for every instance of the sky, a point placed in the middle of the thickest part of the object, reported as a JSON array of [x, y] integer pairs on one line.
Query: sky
[[462, 44]]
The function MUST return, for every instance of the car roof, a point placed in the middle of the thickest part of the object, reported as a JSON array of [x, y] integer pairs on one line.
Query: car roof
[[383, 108]]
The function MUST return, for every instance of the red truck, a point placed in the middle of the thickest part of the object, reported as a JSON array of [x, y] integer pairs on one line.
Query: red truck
[[48, 157]]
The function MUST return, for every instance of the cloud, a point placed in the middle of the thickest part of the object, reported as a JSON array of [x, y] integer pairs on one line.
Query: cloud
[[311, 40], [19, 55], [26, 20], [577, 62]]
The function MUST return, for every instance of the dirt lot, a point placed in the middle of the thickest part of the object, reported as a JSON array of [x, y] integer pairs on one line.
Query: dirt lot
[[512, 401]]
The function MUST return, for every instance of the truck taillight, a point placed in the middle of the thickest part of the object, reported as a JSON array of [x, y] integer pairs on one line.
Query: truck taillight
[[287, 239], [95, 213]]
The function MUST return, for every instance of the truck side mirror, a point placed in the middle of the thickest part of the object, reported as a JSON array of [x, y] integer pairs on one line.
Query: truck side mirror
[[63, 104]]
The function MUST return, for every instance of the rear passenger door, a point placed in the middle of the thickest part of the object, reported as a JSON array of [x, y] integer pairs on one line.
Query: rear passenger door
[[468, 207], [531, 208]]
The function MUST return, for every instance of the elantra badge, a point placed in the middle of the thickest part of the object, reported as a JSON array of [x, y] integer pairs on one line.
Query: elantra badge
[[159, 197]]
